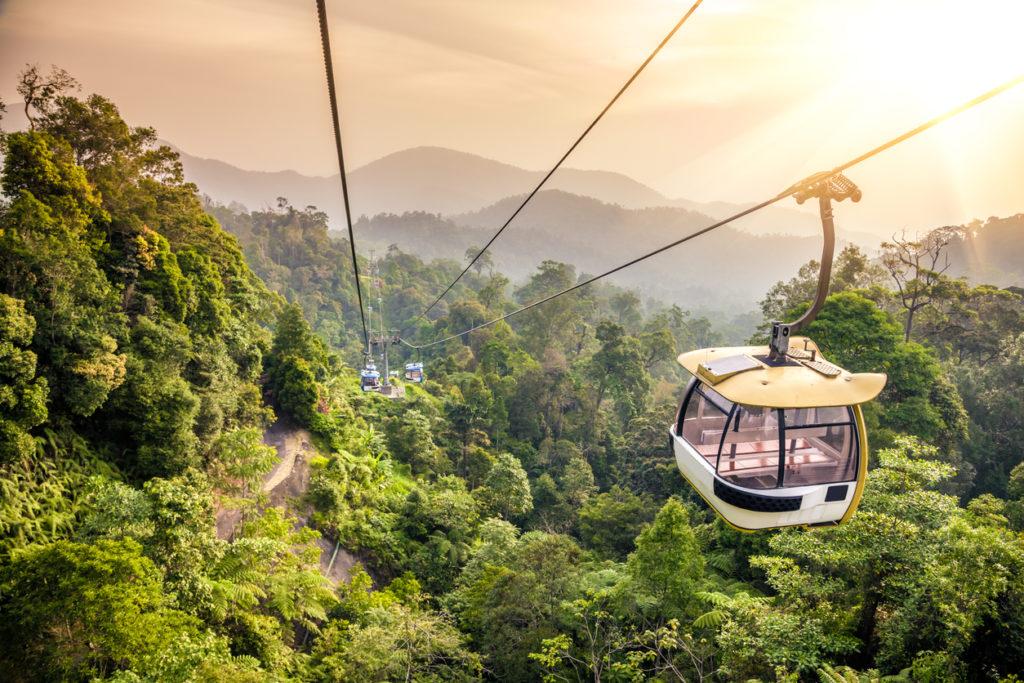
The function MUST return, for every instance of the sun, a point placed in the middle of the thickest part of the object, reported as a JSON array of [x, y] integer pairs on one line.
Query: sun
[[933, 53]]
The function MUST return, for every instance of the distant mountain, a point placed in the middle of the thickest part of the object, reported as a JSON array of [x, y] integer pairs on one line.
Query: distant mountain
[[447, 182], [444, 181], [258, 190], [429, 179]]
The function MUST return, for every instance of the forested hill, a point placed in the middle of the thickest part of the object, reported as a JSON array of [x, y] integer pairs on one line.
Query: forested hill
[[518, 516], [990, 251], [595, 236]]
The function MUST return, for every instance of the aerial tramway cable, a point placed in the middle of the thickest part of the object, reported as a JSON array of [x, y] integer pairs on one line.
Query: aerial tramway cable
[[565, 156], [790, 191], [321, 11]]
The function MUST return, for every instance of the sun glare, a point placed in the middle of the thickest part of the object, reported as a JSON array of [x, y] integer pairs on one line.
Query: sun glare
[[935, 53]]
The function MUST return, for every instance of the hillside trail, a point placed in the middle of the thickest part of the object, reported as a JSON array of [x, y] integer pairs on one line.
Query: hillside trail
[[284, 486]]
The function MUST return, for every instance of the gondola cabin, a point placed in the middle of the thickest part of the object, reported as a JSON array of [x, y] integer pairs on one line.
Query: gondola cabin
[[369, 378], [774, 442], [414, 372]]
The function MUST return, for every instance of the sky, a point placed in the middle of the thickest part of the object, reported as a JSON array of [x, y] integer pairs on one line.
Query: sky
[[748, 97]]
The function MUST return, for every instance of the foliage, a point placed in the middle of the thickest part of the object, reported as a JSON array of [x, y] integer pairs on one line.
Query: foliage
[[911, 571], [22, 394], [391, 635], [74, 611], [667, 564], [506, 490], [356, 499], [610, 521], [519, 511], [512, 605]]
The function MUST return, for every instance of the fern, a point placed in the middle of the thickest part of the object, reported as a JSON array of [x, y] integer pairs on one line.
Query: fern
[[712, 619], [715, 598]]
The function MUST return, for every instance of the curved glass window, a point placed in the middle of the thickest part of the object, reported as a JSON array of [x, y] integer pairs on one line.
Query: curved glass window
[[765, 448], [703, 421], [750, 450], [821, 446]]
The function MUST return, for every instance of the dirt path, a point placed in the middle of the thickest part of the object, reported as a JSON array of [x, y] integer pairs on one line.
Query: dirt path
[[290, 476], [284, 485]]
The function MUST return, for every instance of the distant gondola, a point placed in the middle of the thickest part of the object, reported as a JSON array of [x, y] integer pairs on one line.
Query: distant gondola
[[369, 378], [414, 372]]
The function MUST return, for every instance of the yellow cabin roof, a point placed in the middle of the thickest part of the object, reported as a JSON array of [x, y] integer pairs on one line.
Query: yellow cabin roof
[[788, 386]]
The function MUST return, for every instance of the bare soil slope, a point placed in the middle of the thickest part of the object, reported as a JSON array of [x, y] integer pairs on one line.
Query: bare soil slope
[[285, 485]]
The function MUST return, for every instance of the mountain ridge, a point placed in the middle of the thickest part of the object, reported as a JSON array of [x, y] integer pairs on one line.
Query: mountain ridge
[[461, 183]]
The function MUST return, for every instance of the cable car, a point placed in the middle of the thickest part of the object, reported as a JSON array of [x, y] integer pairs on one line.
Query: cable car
[[773, 443], [369, 378], [773, 436], [414, 372]]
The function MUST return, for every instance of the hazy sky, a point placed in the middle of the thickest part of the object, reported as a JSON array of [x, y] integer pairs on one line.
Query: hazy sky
[[749, 96]]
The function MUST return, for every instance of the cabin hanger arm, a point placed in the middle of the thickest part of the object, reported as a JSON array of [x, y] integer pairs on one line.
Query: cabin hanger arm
[[826, 187]]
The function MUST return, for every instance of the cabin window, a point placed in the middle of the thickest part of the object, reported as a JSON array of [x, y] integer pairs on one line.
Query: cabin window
[[820, 445], [750, 448], [704, 421]]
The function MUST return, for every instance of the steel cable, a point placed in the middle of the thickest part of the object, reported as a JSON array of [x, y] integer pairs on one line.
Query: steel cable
[[321, 11]]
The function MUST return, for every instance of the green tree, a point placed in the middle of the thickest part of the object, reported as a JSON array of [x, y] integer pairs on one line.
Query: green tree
[[50, 268], [971, 323], [410, 440], [618, 368], [75, 611], [238, 461], [154, 412], [611, 521], [172, 520], [270, 569], [577, 482], [667, 563], [295, 388], [483, 260], [909, 572], [293, 337], [493, 291], [656, 347], [22, 394], [391, 635], [512, 602], [205, 657], [556, 320], [626, 306], [994, 398], [506, 490], [440, 521]]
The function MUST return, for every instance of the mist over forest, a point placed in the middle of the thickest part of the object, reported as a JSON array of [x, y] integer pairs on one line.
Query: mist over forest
[[195, 487]]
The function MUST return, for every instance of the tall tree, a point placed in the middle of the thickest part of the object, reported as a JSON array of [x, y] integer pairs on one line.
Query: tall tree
[[667, 564], [39, 91], [917, 267]]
